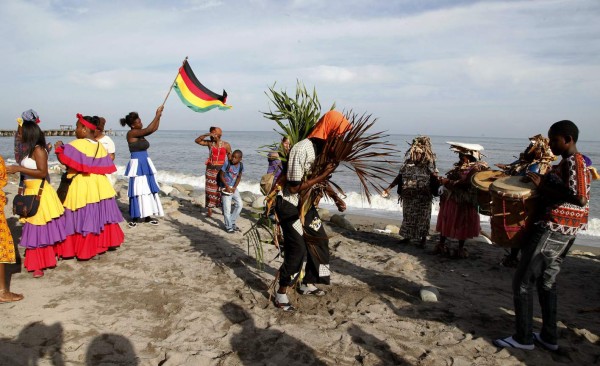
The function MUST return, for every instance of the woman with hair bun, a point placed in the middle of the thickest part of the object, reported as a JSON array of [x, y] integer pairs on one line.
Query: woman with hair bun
[[143, 189], [91, 211], [45, 229]]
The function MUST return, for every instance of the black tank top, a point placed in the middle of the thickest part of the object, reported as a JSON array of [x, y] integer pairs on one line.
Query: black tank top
[[140, 145]]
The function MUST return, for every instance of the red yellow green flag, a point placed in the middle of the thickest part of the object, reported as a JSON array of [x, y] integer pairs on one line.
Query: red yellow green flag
[[196, 96]]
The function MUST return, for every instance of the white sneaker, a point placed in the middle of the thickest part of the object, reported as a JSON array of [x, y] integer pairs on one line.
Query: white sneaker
[[546, 345]]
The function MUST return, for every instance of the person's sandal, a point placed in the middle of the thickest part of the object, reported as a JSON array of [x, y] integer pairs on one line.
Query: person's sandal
[[285, 306], [151, 221], [305, 290], [38, 273], [7, 296], [132, 224]]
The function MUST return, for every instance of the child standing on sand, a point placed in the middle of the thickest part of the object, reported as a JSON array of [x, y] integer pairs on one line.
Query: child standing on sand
[[229, 178], [566, 193]]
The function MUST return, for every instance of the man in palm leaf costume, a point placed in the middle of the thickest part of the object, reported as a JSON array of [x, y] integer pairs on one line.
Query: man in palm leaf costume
[[305, 236]]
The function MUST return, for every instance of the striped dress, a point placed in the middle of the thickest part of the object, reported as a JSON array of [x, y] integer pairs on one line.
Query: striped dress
[[44, 230], [143, 188], [91, 211], [216, 160]]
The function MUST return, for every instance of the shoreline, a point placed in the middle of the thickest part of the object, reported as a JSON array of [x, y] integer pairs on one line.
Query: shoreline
[[380, 223]]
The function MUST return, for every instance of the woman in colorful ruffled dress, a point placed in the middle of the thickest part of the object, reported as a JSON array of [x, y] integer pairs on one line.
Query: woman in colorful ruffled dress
[[46, 229], [91, 212], [143, 189], [7, 245]]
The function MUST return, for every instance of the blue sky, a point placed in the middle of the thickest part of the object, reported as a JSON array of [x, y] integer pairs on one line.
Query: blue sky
[[469, 68]]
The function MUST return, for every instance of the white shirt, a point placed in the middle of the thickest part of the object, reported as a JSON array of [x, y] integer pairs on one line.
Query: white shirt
[[108, 144]]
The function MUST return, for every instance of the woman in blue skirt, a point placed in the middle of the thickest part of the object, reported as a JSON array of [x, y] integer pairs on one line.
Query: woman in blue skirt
[[143, 189]]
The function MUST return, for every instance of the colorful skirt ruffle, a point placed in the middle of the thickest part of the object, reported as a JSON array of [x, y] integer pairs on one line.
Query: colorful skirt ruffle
[[91, 217], [143, 189], [43, 231]]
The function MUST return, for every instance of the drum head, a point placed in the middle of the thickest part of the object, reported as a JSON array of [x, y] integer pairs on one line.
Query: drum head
[[483, 180], [513, 186]]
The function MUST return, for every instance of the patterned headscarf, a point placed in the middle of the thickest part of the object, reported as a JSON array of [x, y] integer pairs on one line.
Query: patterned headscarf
[[28, 115]]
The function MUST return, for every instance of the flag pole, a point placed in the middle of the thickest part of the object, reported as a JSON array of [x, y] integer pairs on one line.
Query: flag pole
[[173, 83]]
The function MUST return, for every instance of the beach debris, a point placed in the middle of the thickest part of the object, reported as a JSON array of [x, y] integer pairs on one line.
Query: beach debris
[[392, 229], [382, 231], [342, 221], [429, 294]]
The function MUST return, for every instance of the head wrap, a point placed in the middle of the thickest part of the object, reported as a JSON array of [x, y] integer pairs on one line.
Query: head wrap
[[473, 150], [332, 122], [84, 122], [28, 115]]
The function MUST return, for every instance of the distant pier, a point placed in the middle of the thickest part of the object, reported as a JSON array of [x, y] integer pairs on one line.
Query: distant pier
[[67, 131]]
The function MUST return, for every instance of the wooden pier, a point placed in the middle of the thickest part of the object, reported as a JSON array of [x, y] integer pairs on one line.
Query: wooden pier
[[62, 132]]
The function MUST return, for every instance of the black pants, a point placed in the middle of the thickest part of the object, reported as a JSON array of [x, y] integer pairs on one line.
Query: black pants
[[309, 241]]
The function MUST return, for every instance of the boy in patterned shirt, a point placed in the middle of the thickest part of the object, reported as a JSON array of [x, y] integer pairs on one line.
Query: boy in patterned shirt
[[566, 193]]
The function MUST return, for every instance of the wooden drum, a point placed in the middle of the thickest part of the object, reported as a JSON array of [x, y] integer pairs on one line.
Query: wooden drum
[[513, 206], [482, 181]]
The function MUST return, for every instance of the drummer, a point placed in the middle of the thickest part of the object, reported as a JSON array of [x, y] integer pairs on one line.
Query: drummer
[[537, 158], [566, 190], [458, 217]]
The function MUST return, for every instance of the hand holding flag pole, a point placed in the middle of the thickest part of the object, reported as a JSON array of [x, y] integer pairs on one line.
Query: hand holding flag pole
[[173, 83], [193, 94]]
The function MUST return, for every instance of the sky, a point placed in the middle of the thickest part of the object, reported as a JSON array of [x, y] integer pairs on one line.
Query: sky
[[436, 67]]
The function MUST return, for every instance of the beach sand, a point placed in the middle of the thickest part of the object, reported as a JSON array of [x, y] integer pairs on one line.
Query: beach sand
[[187, 293]]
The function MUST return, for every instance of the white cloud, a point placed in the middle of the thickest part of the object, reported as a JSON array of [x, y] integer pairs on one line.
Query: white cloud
[[471, 61]]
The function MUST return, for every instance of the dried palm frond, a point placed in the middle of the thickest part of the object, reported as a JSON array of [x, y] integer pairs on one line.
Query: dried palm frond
[[263, 231], [367, 155], [295, 116]]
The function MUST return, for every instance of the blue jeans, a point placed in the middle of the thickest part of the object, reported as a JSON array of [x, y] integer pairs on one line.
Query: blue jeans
[[231, 217], [540, 263]]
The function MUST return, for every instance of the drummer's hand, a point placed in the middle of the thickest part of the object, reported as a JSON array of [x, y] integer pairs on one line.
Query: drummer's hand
[[533, 177], [502, 166]]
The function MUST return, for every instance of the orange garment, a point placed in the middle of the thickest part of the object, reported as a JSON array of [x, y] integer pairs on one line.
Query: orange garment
[[7, 245], [332, 122]]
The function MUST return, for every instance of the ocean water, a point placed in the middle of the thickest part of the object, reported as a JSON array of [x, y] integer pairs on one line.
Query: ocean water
[[179, 159]]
